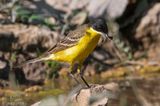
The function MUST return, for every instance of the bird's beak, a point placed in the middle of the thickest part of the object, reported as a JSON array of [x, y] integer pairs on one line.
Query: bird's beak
[[108, 36], [105, 36]]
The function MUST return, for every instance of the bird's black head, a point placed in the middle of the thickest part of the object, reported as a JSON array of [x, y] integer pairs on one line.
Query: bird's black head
[[100, 26]]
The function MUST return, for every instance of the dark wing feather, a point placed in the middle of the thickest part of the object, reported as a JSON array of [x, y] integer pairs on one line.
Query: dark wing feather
[[70, 40]]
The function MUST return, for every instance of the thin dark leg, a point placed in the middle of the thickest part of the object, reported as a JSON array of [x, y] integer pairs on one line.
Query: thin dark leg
[[81, 71], [84, 81], [72, 76]]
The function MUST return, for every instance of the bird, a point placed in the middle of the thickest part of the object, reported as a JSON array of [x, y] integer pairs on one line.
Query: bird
[[76, 46]]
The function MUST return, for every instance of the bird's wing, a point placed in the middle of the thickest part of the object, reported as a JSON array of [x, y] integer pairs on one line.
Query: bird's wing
[[70, 40]]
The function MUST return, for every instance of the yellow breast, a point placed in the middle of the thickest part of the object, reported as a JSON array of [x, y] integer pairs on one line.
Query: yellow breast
[[79, 52]]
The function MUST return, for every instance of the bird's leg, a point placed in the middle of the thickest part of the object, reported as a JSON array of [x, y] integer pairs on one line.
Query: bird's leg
[[81, 75], [71, 75]]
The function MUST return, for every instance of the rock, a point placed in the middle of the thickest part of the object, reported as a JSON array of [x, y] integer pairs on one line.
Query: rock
[[25, 35], [67, 5], [51, 101], [35, 73], [79, 18], [96, 95], [29, 39], [2, 64], [113, 8], [149, 26]]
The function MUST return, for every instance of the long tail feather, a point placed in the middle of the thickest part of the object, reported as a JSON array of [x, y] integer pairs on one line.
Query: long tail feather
[[39, 59]]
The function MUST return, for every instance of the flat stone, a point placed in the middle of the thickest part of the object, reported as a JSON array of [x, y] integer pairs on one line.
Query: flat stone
[[2, 64]]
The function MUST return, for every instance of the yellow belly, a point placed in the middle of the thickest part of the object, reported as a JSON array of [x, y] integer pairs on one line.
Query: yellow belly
[[79, 52]]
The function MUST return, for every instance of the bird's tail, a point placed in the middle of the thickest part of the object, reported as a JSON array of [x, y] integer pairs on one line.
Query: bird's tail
[[39, 59]]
